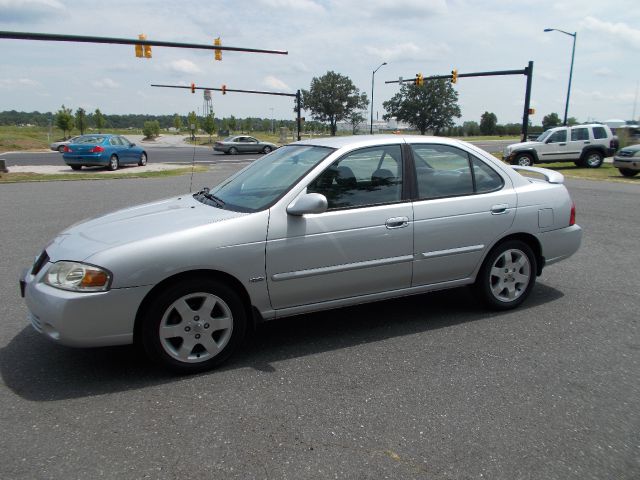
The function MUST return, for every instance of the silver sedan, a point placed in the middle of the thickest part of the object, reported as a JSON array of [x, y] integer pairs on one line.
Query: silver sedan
[[315, 225], [243, 144]]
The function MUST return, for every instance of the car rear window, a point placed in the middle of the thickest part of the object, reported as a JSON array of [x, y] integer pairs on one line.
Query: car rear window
[[599, 132], [92, 139]]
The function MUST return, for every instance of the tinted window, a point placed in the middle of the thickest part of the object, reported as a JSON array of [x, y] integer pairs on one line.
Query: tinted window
[[579, 134], [442, 171], [91, 139], [559, 136], [487, 180], [115, 141], [599, 132], [370, 176]]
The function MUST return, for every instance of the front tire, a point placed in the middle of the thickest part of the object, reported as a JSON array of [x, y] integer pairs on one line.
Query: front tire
[[627, 172], [76, 167], [113, 163], [143, 160], [193, 325], [523, 160], [507, 275], [61, 149], [267, 149]]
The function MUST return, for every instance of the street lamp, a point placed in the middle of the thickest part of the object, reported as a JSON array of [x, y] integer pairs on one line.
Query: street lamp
[[573, 52], [373, 76]]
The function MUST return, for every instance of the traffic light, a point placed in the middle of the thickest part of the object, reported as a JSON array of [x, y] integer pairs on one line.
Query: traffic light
[[193, 87], [532, 111], [419, 81], [454, 75], [224, 89], [139, 49], [147, 51], [218, 53]]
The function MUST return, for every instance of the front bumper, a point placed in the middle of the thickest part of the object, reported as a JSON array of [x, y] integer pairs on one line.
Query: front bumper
[[75, 319], [560, 244], [630, 163]]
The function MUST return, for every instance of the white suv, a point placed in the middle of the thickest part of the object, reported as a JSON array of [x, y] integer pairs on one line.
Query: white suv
[[585, 145]]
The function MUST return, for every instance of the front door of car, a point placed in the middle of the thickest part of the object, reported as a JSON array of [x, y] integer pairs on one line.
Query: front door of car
[[361, 245], [555, 148], [458, 214]]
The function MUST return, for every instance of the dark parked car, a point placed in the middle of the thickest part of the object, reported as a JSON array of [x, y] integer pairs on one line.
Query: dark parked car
[[243, 144], [103, 150]]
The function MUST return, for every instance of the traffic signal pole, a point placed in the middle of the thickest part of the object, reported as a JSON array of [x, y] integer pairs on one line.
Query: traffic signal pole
[[527, 71]]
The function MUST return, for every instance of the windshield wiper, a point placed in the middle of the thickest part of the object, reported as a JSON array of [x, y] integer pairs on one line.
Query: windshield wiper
[[210, 196]]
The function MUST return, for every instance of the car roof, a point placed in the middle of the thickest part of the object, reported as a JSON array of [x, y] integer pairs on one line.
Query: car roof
[[373, 140]]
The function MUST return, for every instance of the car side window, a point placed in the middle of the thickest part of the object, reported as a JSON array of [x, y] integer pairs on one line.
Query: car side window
[[486, 178], [558, 137], [114, 141], [442, 171], [599, 132], [370, 176], [579, 134]]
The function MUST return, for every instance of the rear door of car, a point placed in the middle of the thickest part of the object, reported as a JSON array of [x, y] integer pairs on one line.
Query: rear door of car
[[361, 245], [458, 213], [579, 139]]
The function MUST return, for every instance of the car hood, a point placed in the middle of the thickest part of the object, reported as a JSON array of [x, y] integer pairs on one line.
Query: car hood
[[134, 224], [523, 144]]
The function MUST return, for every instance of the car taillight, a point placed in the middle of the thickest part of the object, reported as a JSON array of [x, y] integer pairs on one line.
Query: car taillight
[[67, 149], [96, 149], [572, 218]]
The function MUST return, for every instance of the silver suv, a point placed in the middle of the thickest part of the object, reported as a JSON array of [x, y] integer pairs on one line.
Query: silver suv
[[585, 145]]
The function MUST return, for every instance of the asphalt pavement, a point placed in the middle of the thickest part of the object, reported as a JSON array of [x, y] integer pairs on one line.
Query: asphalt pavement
[[424, 387]]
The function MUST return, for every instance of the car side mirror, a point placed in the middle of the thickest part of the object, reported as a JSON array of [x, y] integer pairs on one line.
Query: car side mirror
[[308, 203], [549, 140], [132, 144]]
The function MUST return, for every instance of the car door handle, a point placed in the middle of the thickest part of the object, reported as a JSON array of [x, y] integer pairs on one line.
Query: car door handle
[[586, 142], [397, 222], [562, 144], [499, 209]]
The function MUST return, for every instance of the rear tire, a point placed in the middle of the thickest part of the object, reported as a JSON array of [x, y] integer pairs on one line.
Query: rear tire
[[592, 159], [233, 151], [76, 167], [113, 163], [507, 275], [193, 325], [627, 172]]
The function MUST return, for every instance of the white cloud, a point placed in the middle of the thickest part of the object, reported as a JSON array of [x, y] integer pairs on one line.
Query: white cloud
[[184, 66], [308, 6], [409, 51], [18, 82], [276, 84], [28, 10], [105, 83], [620, 31], [604, 72]]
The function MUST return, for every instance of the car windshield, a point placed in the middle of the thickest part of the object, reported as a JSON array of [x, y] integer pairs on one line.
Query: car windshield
[[90, 139], [263, 182], [544, 136]]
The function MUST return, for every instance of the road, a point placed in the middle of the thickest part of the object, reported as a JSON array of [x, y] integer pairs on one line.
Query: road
[[170, 153], [425, 387]]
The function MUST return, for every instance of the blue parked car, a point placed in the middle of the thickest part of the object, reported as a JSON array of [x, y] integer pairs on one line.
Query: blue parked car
[[103, 150]]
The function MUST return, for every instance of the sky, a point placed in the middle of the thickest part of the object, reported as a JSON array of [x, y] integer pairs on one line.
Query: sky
[[348, 37]]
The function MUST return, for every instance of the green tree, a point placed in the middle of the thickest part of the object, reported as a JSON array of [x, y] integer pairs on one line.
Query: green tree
[[209, 125], [356, 117], [429, 107], [177, 122], [571, 121], [98, 120], [471, 128], [550, 121], [151, 129], [64, 120], [332, 98], [192, 120], [488, 123], [81, 120], [233, 123]]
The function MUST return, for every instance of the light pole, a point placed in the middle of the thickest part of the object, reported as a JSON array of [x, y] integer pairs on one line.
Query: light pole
[[573, 52], [373, 76]]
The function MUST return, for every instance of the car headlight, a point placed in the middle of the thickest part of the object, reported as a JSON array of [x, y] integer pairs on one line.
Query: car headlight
[[77, 277]]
